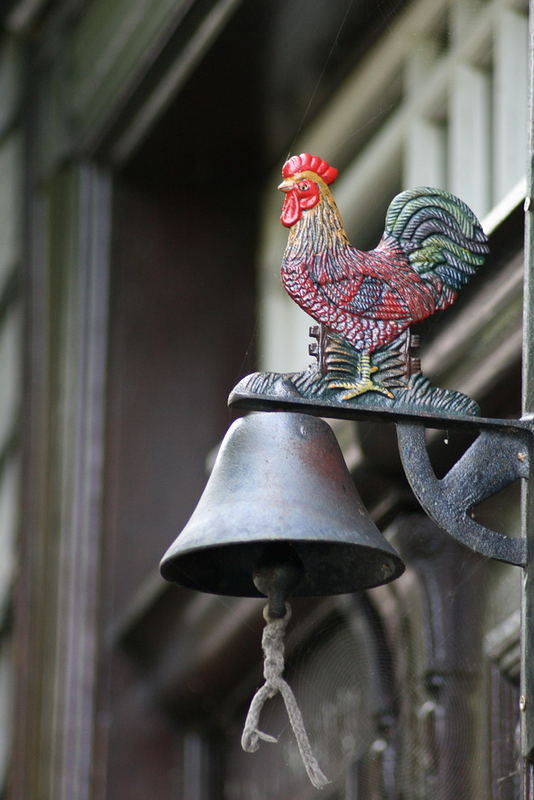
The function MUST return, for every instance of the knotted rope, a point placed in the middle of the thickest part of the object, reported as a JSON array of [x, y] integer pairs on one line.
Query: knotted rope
[[273, 666]]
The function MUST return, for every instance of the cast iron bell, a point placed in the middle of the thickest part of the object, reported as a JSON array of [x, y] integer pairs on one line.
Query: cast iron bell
[[280, 496]]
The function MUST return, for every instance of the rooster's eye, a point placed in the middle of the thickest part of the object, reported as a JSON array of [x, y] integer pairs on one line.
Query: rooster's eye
[[304, 187]]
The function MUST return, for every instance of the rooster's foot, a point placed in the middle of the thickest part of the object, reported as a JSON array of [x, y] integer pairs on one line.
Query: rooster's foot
[[363, 382], [361, 387]]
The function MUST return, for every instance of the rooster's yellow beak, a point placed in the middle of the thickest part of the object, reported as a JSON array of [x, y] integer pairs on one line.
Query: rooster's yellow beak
[[286, 186]]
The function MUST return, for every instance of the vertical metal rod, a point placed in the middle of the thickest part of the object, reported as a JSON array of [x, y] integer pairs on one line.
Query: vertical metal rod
[[527, 625]]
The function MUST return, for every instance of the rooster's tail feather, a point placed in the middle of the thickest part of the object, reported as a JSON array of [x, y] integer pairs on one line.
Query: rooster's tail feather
[[439, 234]]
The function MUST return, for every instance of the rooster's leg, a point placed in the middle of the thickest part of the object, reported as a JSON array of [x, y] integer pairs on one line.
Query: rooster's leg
[[364, 382]]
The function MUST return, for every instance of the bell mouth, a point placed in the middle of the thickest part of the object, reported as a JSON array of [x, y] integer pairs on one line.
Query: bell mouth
[[328, 567]]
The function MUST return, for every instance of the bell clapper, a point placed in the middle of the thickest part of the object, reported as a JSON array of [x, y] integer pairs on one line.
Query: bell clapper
[[277, 574]]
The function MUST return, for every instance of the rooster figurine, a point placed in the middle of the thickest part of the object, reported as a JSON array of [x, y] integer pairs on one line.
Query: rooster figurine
[[431, 245], [365, 302]]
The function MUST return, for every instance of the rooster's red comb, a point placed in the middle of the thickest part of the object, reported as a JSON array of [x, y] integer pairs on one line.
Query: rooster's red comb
[[313, 163]]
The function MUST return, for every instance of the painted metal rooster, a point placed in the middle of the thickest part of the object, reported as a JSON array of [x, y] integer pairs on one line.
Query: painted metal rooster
[[431, 245]]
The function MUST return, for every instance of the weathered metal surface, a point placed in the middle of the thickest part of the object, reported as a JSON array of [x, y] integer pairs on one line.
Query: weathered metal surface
[[500, 455], [366, 409], [280, 492], [276, 576], [494, 460]]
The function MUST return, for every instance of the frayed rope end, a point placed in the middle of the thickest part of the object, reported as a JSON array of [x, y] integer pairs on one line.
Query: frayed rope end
[[250, 740], [273, 648]]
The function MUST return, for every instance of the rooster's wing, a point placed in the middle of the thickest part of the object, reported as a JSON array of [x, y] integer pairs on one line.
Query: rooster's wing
[[380, 284], [431, 245]]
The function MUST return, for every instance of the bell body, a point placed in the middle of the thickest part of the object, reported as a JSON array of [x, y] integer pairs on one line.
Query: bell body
[[280, 487]]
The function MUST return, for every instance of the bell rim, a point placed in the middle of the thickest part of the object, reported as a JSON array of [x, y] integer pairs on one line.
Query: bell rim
[[173, 568]]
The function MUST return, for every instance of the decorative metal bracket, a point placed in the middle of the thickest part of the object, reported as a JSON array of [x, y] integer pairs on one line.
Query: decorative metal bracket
[[496, 458], [500, 455]]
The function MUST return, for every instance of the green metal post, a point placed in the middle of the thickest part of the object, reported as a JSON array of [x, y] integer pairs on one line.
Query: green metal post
[[527, 630]]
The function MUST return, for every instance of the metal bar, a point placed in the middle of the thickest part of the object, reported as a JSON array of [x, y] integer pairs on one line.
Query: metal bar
[[527, 616], [366, 411]]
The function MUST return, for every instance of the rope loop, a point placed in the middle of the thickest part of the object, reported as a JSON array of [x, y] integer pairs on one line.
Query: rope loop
[[273, 668]]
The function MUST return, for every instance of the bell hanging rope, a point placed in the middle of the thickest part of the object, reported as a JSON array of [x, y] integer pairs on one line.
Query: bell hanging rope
[[273, 667]]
